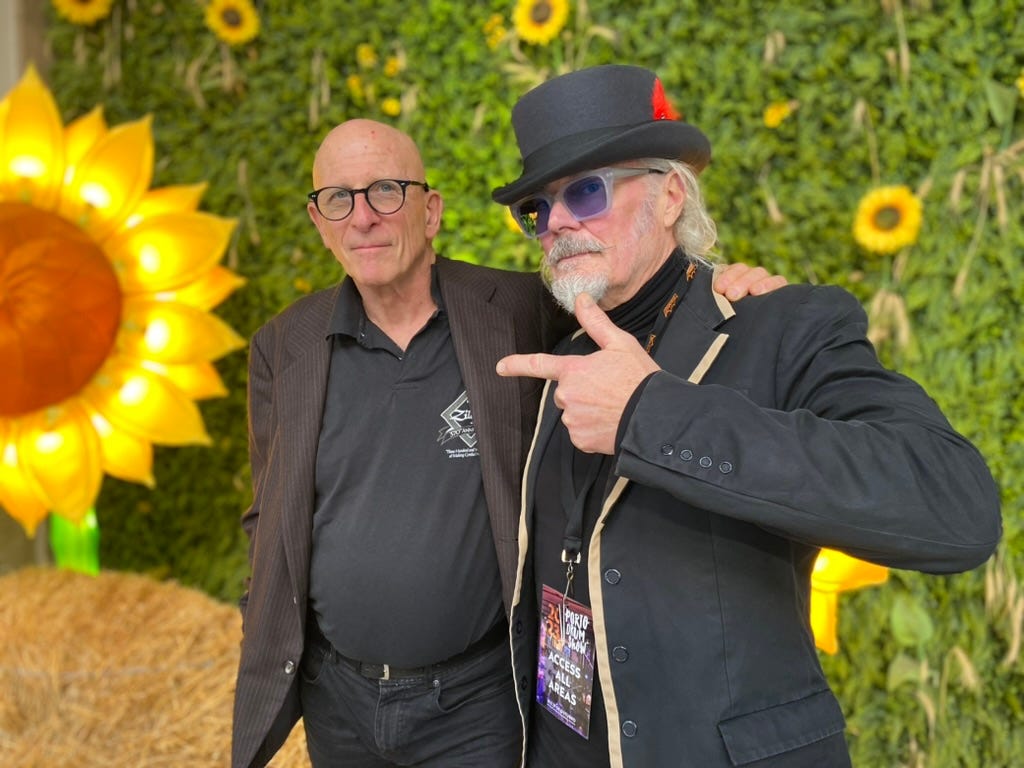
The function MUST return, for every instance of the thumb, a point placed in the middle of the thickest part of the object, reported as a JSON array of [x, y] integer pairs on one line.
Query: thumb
[[596, 323]]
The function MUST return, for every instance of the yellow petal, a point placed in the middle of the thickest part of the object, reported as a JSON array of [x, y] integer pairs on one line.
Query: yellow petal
[[61, 450], [208, 291], [144, 404], [177, 199], [32, 146], [20, 494], [110, 180], [167, 252], [198, 380], [80, 136], [172, 333], [836, 571], [823, 620], [124, 456]]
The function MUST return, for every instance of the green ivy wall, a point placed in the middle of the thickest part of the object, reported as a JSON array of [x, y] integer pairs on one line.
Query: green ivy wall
[[920, 93]]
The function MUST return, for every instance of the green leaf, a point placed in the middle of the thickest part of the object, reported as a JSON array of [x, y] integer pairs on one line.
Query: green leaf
[[1002, 101], [911, 625]]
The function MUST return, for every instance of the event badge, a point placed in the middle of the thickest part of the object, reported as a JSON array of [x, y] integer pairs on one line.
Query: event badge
[[565, 663]]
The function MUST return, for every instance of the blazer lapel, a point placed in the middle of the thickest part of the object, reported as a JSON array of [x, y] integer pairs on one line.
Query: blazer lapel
[[302, 390]]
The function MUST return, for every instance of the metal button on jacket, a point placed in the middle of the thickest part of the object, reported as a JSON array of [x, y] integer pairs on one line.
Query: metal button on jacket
[[705, 461], [620, 653], [612, 576], [629, 729], [666, 450], [289, 667], [686, 454], [725, 467]]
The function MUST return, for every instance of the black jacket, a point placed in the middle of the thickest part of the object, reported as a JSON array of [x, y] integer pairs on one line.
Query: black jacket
[[722, 492]]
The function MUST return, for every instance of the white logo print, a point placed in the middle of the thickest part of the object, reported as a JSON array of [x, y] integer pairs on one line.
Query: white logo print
[[458, 419]]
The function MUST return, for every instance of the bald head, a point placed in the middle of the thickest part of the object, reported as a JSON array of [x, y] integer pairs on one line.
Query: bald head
[[366, 144]]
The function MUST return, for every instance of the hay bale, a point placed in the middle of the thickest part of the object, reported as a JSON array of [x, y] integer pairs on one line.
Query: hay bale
[[117, 670]]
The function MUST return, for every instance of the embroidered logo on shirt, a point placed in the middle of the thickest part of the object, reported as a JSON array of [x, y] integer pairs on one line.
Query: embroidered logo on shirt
[[459, 424]]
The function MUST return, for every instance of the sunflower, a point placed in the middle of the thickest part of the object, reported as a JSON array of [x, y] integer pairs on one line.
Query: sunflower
[[233, 21], [888, 218], [105, 286], [539, 21], [83, 12], [778, 111], [835, 572]]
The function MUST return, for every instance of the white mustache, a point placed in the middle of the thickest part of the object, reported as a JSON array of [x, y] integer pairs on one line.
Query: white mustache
[[564, 247]]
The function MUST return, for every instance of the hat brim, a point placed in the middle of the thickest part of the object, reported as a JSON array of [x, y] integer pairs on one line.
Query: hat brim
[[662, 138]]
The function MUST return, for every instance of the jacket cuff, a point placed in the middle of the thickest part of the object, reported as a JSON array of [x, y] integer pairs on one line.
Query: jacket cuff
[[627, 412]]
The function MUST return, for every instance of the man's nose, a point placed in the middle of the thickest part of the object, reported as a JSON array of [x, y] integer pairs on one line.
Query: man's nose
[[363, 213], [559, 218]]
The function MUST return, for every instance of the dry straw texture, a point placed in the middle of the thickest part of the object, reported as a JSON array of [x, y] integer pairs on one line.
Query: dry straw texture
[[117, 670]]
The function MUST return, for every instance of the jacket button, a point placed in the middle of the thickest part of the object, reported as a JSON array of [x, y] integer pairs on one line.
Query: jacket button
[[289, 667], [705, 461], [666, 450], [612, 576], [725, 467], [686, 454], [629, 729], [620, 653]]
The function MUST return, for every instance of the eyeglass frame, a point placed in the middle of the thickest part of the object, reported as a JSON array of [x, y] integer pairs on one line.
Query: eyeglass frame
[[608, 175], [313, 196]]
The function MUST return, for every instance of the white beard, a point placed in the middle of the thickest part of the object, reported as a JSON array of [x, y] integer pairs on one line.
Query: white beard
[[566, 287]]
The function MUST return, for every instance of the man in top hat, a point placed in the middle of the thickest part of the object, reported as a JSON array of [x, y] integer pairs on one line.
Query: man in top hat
[[691, 458]]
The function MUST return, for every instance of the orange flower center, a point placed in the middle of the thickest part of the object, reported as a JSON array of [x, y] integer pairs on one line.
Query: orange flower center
[[60, 307], [888, 217], [540, 13]]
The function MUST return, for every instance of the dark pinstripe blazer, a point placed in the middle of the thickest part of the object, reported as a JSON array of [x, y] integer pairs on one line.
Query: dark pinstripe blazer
[[492, 313]]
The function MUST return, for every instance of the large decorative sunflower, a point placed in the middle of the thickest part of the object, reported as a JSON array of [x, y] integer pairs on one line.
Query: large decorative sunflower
[[236, 22], [836, 572], [539, 21], [104, 291], [83, 12], [888, 218]]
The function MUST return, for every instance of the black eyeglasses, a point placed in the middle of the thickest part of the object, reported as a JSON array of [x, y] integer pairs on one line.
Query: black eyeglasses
[[585, 197], [384, 196]]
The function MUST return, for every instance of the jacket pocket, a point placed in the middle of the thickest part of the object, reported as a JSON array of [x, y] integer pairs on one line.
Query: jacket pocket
[[778, 729]]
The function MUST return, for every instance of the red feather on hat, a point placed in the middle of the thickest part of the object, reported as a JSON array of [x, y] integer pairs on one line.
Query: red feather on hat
[[663, 110]]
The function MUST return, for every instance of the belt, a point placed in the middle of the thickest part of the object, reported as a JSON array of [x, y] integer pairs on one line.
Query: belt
[[490, 640]]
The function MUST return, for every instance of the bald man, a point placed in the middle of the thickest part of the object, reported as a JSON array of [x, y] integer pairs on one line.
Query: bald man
[[386, 465]]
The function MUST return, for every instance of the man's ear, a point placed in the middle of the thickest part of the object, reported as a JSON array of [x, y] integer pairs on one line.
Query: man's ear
[[314, 216], [674, 197], [435, 208]]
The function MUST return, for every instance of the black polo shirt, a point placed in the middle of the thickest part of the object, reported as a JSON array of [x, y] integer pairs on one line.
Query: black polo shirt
[[403, 569]]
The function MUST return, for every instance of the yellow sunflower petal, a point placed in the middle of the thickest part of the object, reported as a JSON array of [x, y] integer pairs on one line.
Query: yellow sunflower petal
[[176, 199], [20, 494], [32, 147], [145, 404], [110, 180], [61, 450], [836, 571], [83, 12], [172, 333], [208, 291], [81, 135], [823, 620], [167, 252], [200, 381], [125, 456]]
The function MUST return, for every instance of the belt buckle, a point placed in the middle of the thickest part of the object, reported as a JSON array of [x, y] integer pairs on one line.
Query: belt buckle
[[387, 672]]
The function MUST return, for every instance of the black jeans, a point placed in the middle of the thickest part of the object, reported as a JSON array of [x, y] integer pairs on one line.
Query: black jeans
[[463, 717]]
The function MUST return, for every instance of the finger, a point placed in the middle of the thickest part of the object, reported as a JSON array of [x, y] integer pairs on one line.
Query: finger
[[537, 366], [768, 284], [597, 325], [728, 276]]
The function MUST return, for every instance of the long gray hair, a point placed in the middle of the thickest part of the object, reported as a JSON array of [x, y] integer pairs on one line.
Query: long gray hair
[[695, 231]]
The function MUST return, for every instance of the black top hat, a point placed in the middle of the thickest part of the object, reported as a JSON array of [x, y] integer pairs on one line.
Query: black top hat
[[595, 117]]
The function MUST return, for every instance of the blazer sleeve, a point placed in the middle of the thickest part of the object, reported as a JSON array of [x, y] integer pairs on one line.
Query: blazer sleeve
[[851, 456]]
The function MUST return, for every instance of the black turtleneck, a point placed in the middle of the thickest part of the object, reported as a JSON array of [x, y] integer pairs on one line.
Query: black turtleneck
[[551, 743]]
